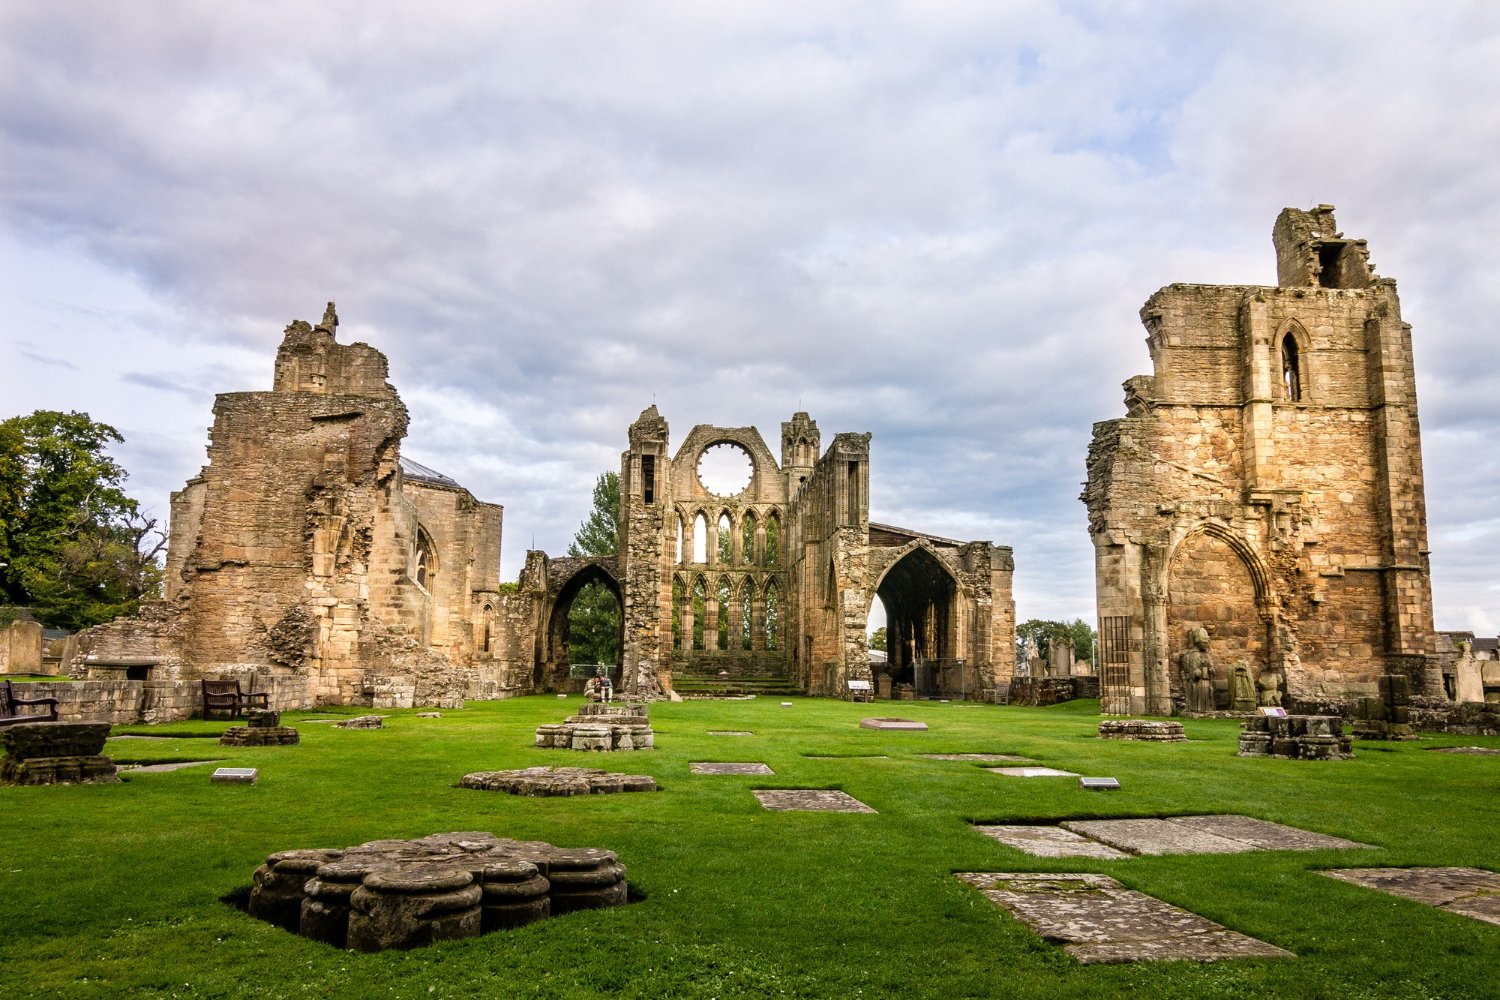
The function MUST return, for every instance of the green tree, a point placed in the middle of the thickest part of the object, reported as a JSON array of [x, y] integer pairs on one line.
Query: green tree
[[76, 549], [877, 639], [594, 618]]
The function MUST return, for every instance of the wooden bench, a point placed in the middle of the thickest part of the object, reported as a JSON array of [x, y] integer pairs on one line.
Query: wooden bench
[[860, 690], [226, 696], [10, 707]]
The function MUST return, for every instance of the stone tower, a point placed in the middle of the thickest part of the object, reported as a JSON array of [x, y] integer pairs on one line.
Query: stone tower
[[1266, 485]]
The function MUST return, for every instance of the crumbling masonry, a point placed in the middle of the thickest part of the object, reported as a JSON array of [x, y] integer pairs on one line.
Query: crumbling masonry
[[308, 554], [1266, 485], [777, 579]]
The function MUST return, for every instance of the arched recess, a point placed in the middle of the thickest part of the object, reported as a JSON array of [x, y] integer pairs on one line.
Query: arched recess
[[1292, 355], [424, 561], [919, 594], [556, 653], [1216, 582]]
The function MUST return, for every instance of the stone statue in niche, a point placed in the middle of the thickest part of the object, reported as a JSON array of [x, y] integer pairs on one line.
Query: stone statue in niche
[[1195, 669], [1268, 687], [1241, 688]]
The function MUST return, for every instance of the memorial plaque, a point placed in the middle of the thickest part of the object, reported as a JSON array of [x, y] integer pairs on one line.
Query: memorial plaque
[[235, 776], [1099, 784]]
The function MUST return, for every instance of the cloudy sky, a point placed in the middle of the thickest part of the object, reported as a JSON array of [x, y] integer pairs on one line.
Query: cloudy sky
[[934, 221]]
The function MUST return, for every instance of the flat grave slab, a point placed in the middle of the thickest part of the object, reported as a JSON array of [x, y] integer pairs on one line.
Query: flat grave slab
[[1264, 835], [1473, 750], [235, 776], [810, 800], [1049, 842], [730, 732], [902, 725], [1097, 920], [1470, 892], [1031, 772], [1155, 836], [989, 758], [723, 767], [175, 765], [550, 782], [847, 756]]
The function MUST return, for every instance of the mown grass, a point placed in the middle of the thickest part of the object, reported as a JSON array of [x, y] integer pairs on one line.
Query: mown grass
[[115, 891]]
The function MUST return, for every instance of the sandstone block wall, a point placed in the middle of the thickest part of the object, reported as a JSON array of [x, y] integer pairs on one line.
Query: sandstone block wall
[[1266, 485]]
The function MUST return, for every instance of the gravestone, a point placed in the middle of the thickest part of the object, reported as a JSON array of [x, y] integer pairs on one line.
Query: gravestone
[[362, 722], [708, 767], [810, 800], [901, 725], [234, 776], [1470, 892], [1141, 729]]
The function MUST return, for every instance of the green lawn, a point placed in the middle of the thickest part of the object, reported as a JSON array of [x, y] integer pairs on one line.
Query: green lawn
[[115, 890]]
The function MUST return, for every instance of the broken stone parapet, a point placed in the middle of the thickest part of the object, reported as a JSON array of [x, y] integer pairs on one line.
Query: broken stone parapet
[[543, 782], [409, 893], [56, 753], [1141, 729], [600, 727], [1300, 737]]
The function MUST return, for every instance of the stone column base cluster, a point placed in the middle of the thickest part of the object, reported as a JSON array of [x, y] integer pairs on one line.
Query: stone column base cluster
[[410, 893], [1303, 737], [56, 753], [264, 730], [1141, 729], [600, 727]]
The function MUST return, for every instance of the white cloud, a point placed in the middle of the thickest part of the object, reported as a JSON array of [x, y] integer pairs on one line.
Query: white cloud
[[935, 223]]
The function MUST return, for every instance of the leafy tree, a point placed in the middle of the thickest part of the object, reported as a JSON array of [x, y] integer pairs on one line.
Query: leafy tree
[[594, 618], [877, 639], [76, 549]]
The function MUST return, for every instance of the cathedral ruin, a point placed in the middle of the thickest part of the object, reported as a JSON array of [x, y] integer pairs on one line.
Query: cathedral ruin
[[313, 560], [1265, 487]]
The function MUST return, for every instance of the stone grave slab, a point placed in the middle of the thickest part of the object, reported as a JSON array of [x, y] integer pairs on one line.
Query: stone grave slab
[[1097, 920], [730, 732], [1472, 750], [362, 722], [724, 767], [1264, 835], [899, 725], [235, 776], [986, 758], [810, 800], [1470, 892], [176, 765], [1031, 772], [1155, 836], [1049, 842], [551, 782], [847, 756]]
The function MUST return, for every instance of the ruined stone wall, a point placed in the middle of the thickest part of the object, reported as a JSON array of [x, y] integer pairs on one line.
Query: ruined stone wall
[[292, 555], [1266, 486]]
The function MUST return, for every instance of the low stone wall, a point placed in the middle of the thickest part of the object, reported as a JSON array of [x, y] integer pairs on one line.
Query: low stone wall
[[1041, 690], [123, 703]]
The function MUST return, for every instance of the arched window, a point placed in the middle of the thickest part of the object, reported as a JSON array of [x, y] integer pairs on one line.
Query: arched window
[[677, 604], [700, 539], [679, 539], [1291, 368], [747, 602], [726, 535], [773, 616], [747, 539], [726, 597], [700, 609], [488, 611], [424, 560], [773, 539]]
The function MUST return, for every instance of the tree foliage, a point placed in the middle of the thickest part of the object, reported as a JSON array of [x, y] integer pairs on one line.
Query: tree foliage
[[877, 639], [594, 618], [76, 549], [1044, 633]]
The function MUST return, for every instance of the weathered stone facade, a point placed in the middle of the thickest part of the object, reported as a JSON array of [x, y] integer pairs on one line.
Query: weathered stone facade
[[776, 579], [1266, 485], [308, 551]]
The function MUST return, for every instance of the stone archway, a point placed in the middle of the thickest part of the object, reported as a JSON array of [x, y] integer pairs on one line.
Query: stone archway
[[920, 597], [552, 667], [1213, 583]]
